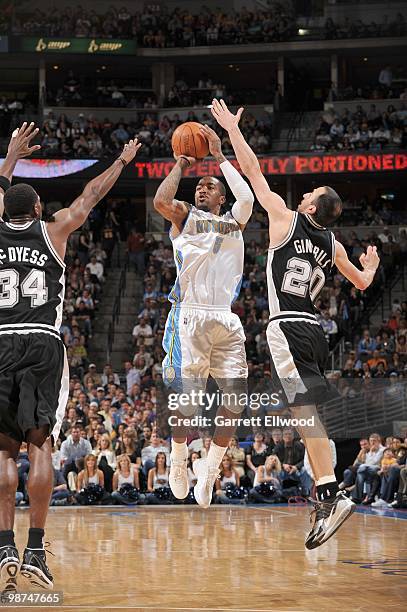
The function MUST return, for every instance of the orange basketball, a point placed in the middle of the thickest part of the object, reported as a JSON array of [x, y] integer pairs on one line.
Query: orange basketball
[[188, 140]]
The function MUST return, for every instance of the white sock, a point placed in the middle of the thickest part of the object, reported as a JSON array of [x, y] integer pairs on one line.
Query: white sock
[[215, 455], [325, 480], [179, 450]]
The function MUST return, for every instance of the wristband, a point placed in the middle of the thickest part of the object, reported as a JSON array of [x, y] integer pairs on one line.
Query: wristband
[[4, 183], [186, 159], [123, 162]]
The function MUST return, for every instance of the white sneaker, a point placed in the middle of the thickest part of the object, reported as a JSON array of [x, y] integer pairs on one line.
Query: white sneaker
[[206, 479], [178, 478], [380, 503], [327, 517]]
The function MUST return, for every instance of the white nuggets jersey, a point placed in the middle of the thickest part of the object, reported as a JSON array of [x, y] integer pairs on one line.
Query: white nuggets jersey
[[209, 256]]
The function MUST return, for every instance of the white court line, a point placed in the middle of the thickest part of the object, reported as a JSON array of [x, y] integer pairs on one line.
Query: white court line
[[132, 607], [274, 511]]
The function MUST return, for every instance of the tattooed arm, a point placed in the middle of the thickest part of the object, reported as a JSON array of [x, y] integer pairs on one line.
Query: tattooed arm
[[164, 202], [67, 220], [70, 219]]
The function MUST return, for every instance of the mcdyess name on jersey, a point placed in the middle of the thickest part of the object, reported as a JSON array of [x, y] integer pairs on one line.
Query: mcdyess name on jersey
[[306, 246], [23, 254]]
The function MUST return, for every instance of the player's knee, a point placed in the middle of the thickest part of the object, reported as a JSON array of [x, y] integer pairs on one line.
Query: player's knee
[[38, 437], [9, 474], [9, 448], [234, 395]]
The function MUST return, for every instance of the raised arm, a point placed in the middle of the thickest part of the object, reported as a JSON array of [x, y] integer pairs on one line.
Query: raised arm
[[271, 201], [70, 219], [18, 148], [243, 207], [164, 201], [361, 279]]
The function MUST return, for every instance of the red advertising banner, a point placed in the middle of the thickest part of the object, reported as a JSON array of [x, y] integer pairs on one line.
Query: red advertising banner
[[286, 165]]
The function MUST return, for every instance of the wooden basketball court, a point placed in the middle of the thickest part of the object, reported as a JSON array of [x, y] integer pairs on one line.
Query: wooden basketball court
[[224, 558]]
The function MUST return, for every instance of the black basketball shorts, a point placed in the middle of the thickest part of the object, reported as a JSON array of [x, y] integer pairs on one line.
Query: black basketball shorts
[[34, 382], [299, 354]]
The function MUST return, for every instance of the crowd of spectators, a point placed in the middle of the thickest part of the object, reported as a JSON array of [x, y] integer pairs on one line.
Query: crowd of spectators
[[370, 92], [378, 471], [113, 93], [77, 90], [202, 93], [162, 28], [391, 84], [110, 451], [90, 137], [87, 258], [380, 358], [364, 129], [359, 29], [342, 307]]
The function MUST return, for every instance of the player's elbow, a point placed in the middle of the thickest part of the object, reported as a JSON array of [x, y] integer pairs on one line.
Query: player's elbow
[[245, 203], [247, 199], [159, 205], [361, 284]]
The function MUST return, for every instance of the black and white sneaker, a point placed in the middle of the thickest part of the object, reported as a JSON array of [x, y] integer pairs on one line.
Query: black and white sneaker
[[9, 564], [35, 570], [327, 517]]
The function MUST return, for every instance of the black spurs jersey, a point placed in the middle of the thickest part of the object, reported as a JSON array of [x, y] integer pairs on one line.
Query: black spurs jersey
[[297, 269], [32, 282]]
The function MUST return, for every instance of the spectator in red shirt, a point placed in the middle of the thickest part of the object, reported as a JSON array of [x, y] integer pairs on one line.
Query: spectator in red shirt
[[135, 249]]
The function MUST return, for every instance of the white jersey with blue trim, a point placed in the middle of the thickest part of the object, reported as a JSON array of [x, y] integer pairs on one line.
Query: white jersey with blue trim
[[209, 256]]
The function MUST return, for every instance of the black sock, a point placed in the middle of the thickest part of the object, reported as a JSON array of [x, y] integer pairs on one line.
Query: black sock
[[327, 491], [7, 538], [35, 536]]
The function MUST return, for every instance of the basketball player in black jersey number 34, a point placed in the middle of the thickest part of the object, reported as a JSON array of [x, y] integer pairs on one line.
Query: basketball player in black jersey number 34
[[34, 377], [301, 254]]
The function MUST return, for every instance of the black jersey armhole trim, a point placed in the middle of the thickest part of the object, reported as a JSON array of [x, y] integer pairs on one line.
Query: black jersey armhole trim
[[51, 246], [289, 235], [333, 249]]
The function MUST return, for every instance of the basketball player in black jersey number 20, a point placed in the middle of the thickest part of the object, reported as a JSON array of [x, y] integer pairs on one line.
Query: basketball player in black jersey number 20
[[301, 253], [34, 376]]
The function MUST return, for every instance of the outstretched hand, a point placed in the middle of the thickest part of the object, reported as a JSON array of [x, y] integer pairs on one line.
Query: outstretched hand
[[370, 260], [223, 115], [19, 145], [130, 150], [215, 145]]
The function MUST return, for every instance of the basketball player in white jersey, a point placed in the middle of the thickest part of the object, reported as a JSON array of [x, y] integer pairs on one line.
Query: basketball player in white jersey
[[34, 374], [202, 336], [301, 253]]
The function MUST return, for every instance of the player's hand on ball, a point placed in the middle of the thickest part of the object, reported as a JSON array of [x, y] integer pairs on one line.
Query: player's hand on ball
[[189, 161], [130, 150], [370, 260], [21, 138], [215, 145], [223, 115]]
